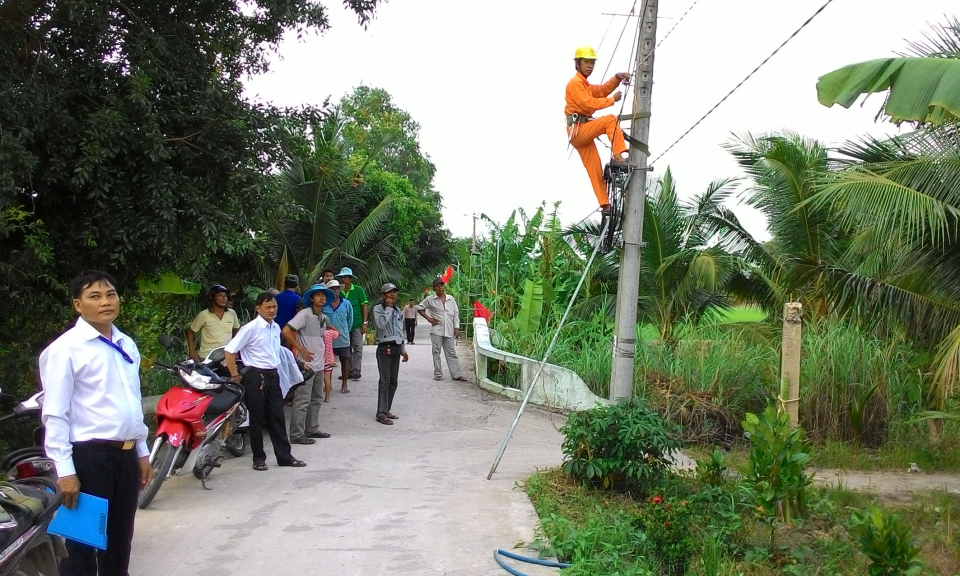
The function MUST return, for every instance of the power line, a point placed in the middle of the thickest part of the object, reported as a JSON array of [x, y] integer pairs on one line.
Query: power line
[[624, 29], [609, 24], [742, 82]]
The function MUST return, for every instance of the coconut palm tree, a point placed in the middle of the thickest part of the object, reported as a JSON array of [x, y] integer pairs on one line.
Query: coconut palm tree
[[903, 195], [685, 273], [327, 225]]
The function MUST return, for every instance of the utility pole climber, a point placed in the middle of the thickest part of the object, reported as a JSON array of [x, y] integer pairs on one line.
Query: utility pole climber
[[625, 336]]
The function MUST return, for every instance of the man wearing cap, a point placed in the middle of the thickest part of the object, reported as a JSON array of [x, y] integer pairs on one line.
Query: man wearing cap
[[340, 312], [216, 325], [288, 300], [304, 334], [443, 314], [358, 299], [388, 321]]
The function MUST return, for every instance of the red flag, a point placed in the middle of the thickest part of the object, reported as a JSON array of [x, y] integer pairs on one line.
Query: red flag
[[447, 275], [481, 311]]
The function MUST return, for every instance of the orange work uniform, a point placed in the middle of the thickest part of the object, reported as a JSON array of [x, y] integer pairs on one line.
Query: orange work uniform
[[584, 98]]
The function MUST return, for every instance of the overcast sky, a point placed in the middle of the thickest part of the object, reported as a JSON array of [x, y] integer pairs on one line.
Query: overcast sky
[[485, 80]]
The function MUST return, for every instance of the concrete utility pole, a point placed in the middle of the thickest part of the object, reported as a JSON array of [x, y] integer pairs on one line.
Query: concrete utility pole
[[625, 338]]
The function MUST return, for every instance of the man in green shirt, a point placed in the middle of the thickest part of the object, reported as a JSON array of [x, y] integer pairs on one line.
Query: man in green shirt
[[355, 294]]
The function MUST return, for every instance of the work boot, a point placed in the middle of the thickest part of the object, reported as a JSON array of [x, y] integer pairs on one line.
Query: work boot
[[605, 210], [618, 161]]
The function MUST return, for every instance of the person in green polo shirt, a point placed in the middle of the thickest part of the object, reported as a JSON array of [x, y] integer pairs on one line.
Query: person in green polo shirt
[[358, 298]]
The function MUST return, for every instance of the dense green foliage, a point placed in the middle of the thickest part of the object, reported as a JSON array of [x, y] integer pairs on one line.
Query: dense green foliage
[[623, 447], [129, 146], [711, 523]]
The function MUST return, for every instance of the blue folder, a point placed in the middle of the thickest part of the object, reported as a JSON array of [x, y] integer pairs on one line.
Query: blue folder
[[87, 523]]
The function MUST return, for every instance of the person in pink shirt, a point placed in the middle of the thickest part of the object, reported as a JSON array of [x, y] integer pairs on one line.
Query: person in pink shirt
[[328, 337]]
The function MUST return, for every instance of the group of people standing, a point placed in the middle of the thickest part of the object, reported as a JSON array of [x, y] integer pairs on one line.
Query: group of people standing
[[95, 431]]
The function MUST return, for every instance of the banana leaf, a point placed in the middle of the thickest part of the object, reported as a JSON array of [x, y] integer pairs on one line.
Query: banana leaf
[[923, 90], [531, 307]]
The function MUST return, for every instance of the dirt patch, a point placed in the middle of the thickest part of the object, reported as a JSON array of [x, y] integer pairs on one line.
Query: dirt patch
[[889, 485]]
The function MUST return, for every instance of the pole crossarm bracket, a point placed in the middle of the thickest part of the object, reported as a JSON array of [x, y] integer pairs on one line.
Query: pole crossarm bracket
[[634, 116]]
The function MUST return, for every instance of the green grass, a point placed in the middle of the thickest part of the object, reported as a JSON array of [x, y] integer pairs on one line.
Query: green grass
[[596, 530], [712, 377]]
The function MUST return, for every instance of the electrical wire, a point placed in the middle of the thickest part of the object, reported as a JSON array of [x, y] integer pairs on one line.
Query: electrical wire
[[742, 82]]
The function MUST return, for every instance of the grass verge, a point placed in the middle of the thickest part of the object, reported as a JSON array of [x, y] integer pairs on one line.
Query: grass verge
[[598, 531]]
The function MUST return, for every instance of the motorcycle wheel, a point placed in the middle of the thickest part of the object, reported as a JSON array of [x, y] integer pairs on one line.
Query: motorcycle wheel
[[26, 567], [236, 444], [162, 463]]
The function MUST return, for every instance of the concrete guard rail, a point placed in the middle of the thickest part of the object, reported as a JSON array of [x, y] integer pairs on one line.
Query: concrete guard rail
[[558, 388]]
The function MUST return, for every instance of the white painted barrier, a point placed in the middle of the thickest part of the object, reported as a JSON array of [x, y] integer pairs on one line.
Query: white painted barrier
[[558, 388]]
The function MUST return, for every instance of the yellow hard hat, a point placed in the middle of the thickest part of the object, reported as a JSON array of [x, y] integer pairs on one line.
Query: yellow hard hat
[[585, 52]]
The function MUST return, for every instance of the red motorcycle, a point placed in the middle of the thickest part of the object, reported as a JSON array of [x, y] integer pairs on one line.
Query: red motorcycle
[[195, 422]]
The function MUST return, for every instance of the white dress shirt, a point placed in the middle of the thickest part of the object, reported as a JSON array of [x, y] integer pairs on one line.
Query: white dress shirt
[[91, 392], [258, 342], [446, 312]]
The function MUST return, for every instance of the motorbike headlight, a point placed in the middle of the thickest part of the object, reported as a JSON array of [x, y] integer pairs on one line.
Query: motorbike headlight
[[198, 381]]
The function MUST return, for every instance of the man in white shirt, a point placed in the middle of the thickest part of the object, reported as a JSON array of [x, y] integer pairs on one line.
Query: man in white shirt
[[441, 311], [94, 421], [258, 342]]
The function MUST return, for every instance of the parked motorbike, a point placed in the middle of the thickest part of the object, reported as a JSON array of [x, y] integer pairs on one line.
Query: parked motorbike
[[194, 422], [29, 498]]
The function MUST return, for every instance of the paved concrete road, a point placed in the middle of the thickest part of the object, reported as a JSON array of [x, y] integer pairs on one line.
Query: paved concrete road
[[410, 499]]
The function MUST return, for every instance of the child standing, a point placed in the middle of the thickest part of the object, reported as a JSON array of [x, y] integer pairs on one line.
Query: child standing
[[330, 361]]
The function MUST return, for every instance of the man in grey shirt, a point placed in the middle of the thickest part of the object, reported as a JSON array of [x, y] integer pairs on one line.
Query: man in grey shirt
[[304, 333], [388, 320]]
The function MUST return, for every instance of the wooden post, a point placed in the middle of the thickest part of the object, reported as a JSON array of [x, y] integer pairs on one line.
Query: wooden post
[[790, 361]]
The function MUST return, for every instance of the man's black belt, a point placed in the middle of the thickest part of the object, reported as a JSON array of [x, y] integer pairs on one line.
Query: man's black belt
[[264, 370], [116, 444], [390, 344]]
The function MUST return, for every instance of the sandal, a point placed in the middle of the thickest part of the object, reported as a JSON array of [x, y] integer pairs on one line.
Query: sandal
[[260, 466], [383, 419], [438, 378], [461, 379], [295, 463]]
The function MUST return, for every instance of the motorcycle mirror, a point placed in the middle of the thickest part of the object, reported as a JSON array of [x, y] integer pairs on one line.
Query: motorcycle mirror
[[165, 341], [34, 402]]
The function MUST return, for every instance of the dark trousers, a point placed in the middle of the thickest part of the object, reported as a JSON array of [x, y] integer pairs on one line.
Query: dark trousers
[[388, 362], [265, 403], [410, 324], [113, 474]]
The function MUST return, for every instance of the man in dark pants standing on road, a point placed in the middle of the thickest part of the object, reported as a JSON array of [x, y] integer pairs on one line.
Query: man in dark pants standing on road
[[358, 299], [389, 329], [259, 344], [94, 421]]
